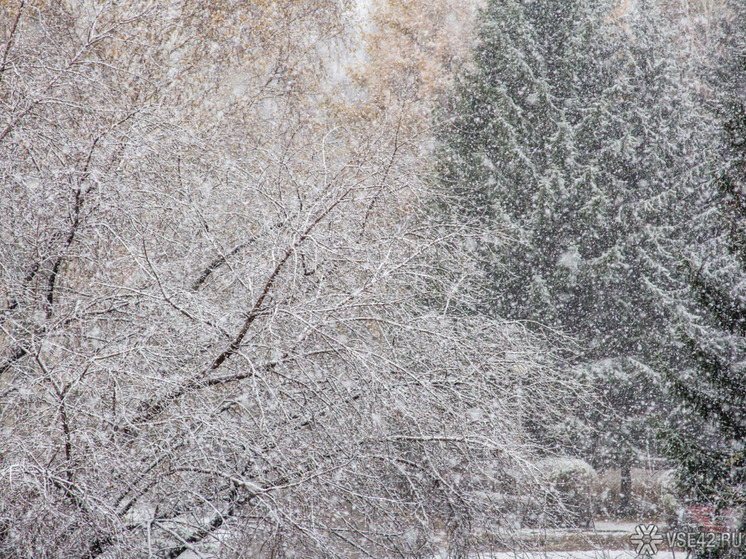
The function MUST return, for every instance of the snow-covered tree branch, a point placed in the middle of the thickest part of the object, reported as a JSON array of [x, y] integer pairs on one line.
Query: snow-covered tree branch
[[221, 326]]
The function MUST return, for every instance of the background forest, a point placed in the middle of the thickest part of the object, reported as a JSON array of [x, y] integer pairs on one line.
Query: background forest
[[395, 278]]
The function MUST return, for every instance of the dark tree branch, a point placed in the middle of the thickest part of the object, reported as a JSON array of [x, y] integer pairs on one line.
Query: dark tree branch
[[217, 263]]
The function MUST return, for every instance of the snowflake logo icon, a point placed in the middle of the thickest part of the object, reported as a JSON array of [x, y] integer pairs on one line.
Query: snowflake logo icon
[[646, 540]]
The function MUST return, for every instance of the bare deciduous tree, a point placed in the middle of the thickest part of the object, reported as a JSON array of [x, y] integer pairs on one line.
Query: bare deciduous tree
[[225, 329]]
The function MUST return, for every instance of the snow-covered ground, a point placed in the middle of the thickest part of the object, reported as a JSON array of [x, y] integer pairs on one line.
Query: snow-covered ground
[[581, 555], [607, 554], [600, 527], [619, 531]]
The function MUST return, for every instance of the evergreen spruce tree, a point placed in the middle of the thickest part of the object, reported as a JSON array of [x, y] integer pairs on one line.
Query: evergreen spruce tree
[[709, 437], [511, 155], [568, 131]]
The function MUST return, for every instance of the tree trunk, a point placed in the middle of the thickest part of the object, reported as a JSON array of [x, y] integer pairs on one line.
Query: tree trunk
[[625, 485]]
